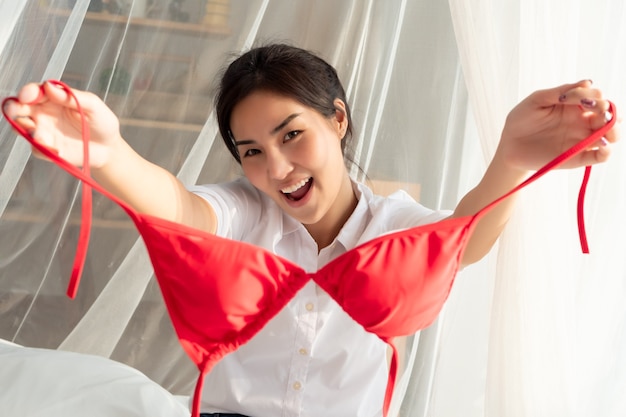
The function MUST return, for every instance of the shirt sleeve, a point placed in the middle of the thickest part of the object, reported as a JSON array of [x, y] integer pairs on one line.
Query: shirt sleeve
[[405, 212], [237, 205]]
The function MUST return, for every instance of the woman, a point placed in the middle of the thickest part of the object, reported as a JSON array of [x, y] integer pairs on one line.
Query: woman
[[283, 114]]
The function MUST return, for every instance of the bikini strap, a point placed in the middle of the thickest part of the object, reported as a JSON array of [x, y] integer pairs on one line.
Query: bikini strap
[[560, 159], [391, 377], [84, 174]]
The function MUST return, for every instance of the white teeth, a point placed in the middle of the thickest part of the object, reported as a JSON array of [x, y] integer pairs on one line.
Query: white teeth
[[295, 187]]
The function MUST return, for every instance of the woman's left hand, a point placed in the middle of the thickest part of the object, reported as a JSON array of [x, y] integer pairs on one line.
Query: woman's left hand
[[550, 121], [537, 130]]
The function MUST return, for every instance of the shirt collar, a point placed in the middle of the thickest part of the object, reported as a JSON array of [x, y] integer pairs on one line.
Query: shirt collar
[[354, 227], [352, 230]]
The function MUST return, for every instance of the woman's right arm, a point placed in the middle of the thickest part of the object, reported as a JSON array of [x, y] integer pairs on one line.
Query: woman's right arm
[[50, 115]]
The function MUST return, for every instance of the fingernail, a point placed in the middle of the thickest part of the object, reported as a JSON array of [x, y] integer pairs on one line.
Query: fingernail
[[589, 80], [604, 142], [588, 103], [562, 97]]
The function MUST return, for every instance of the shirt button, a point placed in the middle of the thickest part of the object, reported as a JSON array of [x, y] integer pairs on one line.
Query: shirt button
[[297, 385], [303, 351], [309, 306]]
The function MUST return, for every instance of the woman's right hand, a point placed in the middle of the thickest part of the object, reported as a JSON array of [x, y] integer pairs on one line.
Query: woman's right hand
[[50, 115]]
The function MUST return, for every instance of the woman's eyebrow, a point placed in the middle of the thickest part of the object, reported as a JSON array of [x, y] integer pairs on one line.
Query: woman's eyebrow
[[284, 123], [272, 132], [243, 142]]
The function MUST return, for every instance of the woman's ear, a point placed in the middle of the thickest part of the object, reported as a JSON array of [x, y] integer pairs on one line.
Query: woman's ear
[[341, 118]]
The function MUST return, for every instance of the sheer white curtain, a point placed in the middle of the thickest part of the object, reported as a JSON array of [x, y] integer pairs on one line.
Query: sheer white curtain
[[416, 127], [558, 321]]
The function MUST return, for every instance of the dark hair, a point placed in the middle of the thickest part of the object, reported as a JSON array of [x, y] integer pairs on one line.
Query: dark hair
[[285, 70]]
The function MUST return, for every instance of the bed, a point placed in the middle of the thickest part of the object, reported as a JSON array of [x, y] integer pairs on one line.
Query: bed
[[47, 382]]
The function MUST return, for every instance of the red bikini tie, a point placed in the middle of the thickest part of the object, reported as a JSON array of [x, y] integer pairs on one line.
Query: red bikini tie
[[85, 228], [569, 153]]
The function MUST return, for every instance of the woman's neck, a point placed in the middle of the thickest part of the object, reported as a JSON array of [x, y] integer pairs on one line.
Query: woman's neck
[[326, 230]]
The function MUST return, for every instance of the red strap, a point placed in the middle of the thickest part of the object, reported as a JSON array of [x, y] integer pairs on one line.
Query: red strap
[[197, 395], [391, 378], [569, 153], [582, 234], [85, 229]]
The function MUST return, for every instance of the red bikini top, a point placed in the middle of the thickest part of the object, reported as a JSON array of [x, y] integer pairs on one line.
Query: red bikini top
[[220, 292]]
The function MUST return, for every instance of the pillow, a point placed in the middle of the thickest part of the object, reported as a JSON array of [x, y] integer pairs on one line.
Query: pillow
[[46, 382]]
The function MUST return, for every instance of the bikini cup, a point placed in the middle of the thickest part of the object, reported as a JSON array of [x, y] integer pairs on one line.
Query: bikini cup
[[219, 292]]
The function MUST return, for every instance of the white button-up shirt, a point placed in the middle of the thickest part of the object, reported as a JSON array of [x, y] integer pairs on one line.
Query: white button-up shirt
[[311, 359]]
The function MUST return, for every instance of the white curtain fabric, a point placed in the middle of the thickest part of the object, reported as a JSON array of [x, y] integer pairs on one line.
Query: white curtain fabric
[[536, 328], [558, 332]]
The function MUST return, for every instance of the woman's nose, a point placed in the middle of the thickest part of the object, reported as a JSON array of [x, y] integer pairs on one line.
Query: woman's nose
[[278, 165]]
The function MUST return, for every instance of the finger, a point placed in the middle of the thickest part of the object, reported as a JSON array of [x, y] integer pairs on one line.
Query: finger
[[58, 94], [599, 115], [14, 109], [600, 154], [26, 123], [614, 134], [32, 93], [597, 154], [552, 96], [586, 98], [68, 97], [19, 114], [43, 137]]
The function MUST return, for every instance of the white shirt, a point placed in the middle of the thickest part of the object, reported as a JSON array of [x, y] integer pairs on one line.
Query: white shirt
[[312, 359]]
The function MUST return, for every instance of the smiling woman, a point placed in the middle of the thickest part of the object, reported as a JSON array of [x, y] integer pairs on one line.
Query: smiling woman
[[299, 161]]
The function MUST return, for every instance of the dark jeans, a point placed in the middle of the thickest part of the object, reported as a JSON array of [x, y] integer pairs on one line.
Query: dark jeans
[[220, 415]]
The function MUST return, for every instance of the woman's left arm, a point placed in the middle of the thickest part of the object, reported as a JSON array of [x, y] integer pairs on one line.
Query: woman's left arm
[[538, 129]]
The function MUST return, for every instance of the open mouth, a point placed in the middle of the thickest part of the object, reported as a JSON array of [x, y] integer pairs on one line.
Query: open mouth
[[298, 191]]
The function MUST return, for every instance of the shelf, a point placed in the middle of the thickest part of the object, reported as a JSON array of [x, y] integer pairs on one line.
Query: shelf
[[156, 124], [9, 215], [103, 17]]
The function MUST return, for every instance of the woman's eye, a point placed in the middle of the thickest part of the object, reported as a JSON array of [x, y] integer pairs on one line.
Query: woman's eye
[[292, 134], [251, 152]]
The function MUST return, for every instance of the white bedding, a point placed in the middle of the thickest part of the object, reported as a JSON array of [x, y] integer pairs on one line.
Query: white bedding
[[45, 382]]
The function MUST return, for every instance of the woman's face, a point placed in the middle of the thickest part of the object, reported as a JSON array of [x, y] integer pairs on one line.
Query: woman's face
[[293, 154]]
